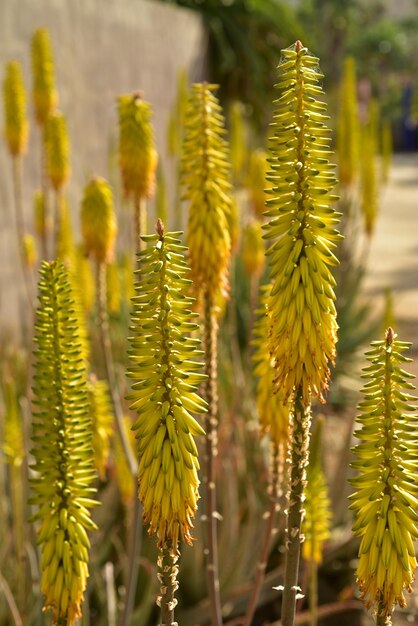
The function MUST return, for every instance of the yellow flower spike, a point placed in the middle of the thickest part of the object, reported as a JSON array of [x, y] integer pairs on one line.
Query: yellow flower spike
[[102, 423], [253, 256], [385, 497], [165, 378], [273, 411], [57, 147], [207, 187], [302, 229], [98, 220], [16, 125], [63, 467], [256, 181], [29, 250], [45, 95], [137, 154], [317, 521], [348, 125], [369, 204], [127, 276]]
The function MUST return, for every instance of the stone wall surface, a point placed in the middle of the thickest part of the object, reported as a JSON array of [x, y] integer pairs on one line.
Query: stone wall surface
[[102, 48]]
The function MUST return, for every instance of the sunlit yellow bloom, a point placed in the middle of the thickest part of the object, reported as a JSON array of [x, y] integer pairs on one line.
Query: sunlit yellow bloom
[[165, 378], [16, 125], [385, 501], [302, 230], [207, 187]]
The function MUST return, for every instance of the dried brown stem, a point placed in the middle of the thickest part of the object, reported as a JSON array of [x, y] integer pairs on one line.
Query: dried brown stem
[[168, 570]]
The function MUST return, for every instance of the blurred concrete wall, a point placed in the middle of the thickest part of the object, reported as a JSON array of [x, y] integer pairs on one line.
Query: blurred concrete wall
[[102, 48]]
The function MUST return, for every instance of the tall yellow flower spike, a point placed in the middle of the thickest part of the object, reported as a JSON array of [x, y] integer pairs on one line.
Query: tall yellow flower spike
[[303, 316], [98, 220], [206, 183], [57, 146], [252, 248], [256, 181], [62, 449], [166, 376], [385, 501], [16, 125], [45, 95], [137, 154]]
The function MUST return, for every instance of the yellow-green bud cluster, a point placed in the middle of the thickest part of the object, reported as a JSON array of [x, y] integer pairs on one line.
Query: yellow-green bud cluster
[[45, 96], [348, 125], [65, 241], [302, 226], [102, 423], [16, 125], [206, 182], [62, 449], [57, 147], [98, 220], [137, 154], [252, 250], [273, 410], [166, 376], [317, 521], [237, 140], [385, 501]]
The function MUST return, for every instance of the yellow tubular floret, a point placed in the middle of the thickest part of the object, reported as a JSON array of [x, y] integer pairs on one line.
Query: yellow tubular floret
[[98, 220], [348, 125], [62, 449], [385, 499], [302, 231], [206, 183], [165, 378], [16, 125], [137, 154]]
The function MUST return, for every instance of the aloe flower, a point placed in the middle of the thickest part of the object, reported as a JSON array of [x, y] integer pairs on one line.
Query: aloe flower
[[302, 230], [45, 95], [16, 125], [98, 220], [206, 183], [165, 379], [385, 499], [62, 449]]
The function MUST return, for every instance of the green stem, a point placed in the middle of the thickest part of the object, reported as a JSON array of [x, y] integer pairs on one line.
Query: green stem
[[57, 220], [167, 564], [271, 515], [210, 340], [299, 444], [20, 227]]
